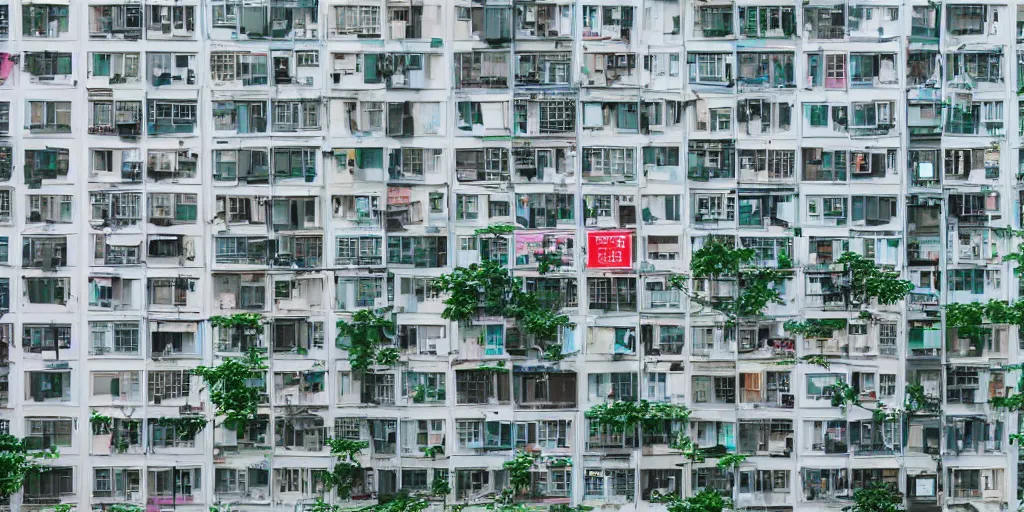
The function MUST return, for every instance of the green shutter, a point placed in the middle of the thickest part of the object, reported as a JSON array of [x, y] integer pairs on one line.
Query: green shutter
[[371, 158], [100, 64], [64, 64], [370, 75], [185, 212], [788, 23], [751, 21]]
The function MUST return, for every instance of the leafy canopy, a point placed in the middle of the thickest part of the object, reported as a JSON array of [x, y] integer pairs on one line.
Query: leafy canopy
[[758, 286], [622, 416], [876, 497], [347, 469], [363, 337], [235, 386], [869, 281], [489, 289], [17, 462], [706, 500]]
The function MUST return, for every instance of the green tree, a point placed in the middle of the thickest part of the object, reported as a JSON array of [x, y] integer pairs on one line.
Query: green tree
[[235, 386], [347, 469], [489, 289], [363, 337], [705, 500], [719, 259], [876, 497], [868, 281], [17, 462]]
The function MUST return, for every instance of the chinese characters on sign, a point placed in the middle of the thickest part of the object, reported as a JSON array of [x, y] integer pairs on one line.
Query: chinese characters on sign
[[610, 249]]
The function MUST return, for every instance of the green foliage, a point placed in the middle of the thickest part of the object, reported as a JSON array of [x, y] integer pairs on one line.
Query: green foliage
[[496, 367], [717, 259], [420, 391], [100, 423], [547, 261], [559, 462], [387, 356], [869, 281], [676, 281], [757, 290], [519, 469], [815, 327], [186, 427], [731, 460], [758, 286], [785, 262], [365, 334], [844, 395], [398, 503], [230, 389], [706, 500], [433, 451], [1017, 256], [485, 288], [440, 486], [561, 507], [489, 289], [124, 507], [245, 322], [347, 469], [688, 447], [817, 360], [876, 497], [553, 353], [496, 230], [813, 359], [970, 319], [322, 506], [64, 507], [518, 476], [917, 400], [1013, 402], [16, 462], [622, 416]]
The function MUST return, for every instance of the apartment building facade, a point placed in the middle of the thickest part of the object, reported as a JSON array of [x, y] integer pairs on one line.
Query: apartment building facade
[[163, 162]]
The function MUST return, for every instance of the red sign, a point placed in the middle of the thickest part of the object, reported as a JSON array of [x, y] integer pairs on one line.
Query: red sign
[[609, 249]]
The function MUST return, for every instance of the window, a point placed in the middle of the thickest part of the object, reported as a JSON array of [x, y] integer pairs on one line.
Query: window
[[358, 20], [225, 13], [171, 117], [49, 116], [290, 116], [42, 20], [170, 292], [467, 207], [44, 433], [708, 389], [708, 67], [48, 64], [36, 338], [165, 385], [307, 58], [114, 338], [47, 290], [820, 386], [173, 208], [557, 116]]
